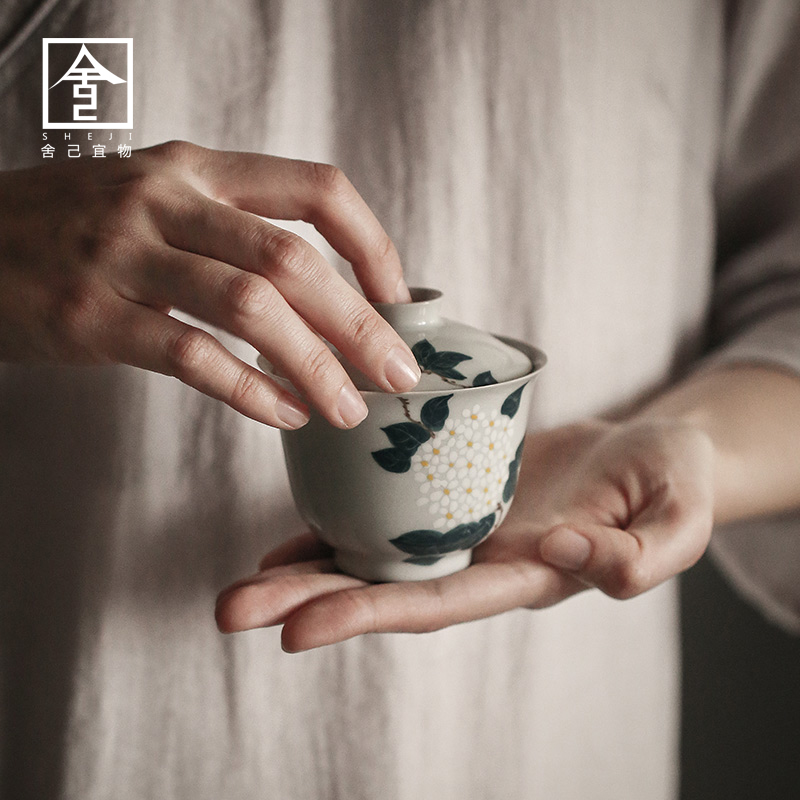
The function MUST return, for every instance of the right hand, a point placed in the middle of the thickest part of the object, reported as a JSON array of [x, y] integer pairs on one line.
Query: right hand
[[619, 506], [95, 254]]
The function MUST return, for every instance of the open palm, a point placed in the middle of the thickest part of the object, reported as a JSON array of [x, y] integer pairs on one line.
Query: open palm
[[617, 506]]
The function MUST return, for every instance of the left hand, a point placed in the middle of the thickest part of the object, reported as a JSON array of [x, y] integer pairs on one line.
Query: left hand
[[617, 506]]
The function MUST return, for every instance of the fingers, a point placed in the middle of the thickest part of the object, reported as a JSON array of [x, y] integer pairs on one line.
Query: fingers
[[227, 267], [267, 286], [482, 590], [668, 538], [252, 308], [146, 338], [301, 275], [319, 606], [321, 194], [300, 588], [268, 597]]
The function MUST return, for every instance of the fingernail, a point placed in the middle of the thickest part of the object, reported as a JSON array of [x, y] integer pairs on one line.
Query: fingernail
[[401, 293], [401, 370], [352, 408], [566, 549], [290, 413]]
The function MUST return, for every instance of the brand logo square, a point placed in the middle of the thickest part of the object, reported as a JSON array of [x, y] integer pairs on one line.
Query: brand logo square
[[87, 83]]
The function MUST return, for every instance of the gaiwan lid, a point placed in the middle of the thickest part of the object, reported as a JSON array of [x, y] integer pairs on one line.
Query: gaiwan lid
[[450, 354]]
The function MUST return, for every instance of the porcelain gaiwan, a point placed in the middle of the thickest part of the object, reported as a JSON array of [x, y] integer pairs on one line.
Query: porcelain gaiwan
[[430, 473]]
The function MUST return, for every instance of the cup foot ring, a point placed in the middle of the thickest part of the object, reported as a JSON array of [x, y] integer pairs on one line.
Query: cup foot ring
[[379, 570]]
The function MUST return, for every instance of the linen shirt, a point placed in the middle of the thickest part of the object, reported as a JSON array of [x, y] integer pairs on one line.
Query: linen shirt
[[613, 182]]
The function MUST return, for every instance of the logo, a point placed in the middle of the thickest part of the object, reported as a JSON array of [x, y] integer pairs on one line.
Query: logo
[[87, 83]]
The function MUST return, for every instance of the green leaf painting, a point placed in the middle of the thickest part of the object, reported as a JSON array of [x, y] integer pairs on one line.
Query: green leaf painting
[[439, 362], [447, 359], [513, 474], [407, 436], [511, 403], [392, 459], [423, 351], [484, 379], [429, 544], [435, 412]]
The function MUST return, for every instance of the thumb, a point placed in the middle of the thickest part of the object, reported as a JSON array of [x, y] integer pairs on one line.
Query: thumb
[[665, 539]]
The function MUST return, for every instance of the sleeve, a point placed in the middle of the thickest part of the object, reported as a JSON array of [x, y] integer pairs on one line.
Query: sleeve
[[755, 314], [756, 304]]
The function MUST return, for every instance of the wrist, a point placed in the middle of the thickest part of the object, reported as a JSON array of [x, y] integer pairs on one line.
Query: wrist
[[751, 416]]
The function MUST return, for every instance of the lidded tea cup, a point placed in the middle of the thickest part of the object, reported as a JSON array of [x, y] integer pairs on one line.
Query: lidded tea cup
[[430, 473]]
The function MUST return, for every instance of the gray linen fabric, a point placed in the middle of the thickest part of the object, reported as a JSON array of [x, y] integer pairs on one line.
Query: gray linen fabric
[[550, 167]]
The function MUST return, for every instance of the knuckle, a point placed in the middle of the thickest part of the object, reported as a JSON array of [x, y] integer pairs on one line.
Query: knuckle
[[288, 255], [629, 579], [677, 510], [97, 245], [318, 366], [189, 352], [149, 186], [125, 200], [177, 151], [360, 611], [248, 296], [132, 197], [330, 181], [387, 252], [694, 554], [437, 616], [246, 389], [363, 326], [75, 312], [697, 537]]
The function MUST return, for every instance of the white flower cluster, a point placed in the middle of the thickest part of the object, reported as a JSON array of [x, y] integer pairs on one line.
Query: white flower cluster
[[463, 468]]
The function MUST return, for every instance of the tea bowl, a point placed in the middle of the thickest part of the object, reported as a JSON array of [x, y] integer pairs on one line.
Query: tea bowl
[[430, 473]]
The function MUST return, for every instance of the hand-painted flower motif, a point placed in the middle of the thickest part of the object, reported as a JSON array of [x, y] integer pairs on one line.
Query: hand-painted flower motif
[[462, 468], [464, 465]]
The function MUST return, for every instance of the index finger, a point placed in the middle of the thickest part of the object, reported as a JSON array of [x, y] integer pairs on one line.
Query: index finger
[[321, 194]]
